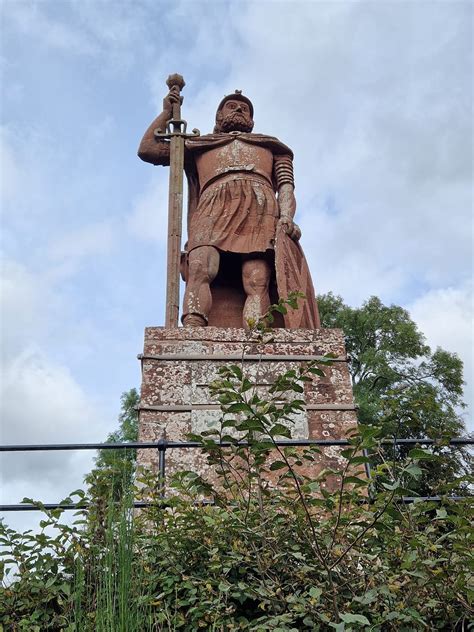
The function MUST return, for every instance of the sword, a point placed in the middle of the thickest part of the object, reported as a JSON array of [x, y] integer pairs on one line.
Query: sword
[[176, 133]]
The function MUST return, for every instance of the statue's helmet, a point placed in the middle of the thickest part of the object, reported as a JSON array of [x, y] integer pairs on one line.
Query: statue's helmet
[[235, 96]]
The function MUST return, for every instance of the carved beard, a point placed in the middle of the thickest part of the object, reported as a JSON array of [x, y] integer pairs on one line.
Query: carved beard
[[236, 122]]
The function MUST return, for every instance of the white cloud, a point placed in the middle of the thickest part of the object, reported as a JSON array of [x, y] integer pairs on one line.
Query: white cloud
[[26, 301], [43, 403], [446, 317], [10, 171], [40, 400], [87, 241], [148, 219], [30, 20]]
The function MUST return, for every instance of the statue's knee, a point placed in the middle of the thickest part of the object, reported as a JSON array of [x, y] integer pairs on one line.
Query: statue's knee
[[198, 272], [256, 279]]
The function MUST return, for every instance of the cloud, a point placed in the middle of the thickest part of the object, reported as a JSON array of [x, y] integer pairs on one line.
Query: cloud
[[43, 403], [87, 241], [445, 316], [10, 171], [148, 219], [31, 20], [40, 399], [26, 302]]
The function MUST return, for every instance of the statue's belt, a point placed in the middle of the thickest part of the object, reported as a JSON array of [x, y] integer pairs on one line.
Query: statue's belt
[[238, 172]]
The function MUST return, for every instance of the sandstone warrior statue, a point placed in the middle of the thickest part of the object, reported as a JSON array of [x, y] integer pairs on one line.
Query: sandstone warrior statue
[[242, 251]]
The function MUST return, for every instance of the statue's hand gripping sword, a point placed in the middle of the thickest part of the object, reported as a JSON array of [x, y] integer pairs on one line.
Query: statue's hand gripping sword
[[176, 133]]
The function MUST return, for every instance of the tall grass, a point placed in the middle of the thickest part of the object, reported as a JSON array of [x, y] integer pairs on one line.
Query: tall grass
[[110, 593]]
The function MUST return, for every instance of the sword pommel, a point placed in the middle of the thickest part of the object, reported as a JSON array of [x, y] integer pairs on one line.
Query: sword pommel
[[175, 80]]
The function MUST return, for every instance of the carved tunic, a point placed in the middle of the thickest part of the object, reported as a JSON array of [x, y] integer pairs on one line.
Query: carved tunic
[[237, 209]]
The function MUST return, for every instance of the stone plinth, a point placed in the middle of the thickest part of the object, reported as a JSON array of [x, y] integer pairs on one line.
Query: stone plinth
[[179, 364]]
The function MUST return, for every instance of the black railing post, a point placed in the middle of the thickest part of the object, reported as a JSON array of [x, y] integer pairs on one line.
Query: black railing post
[[162, 444]]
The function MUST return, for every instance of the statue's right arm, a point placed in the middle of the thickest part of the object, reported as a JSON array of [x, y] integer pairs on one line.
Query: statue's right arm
[[157, 151], [153, 150]]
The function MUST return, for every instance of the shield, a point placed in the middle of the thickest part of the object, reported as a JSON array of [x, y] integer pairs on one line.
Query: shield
[[293, 275]]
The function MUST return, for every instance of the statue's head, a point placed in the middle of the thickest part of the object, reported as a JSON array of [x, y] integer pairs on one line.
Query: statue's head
[[234, 114]]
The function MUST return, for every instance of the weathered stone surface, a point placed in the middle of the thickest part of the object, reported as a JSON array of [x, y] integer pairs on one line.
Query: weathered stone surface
[[179, 364], [320, 341]]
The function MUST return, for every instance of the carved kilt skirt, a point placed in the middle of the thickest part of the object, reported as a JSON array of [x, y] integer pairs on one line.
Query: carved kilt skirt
[[237, 213]]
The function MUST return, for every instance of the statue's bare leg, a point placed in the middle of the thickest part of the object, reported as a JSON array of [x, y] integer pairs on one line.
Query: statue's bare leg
[[256, 279], [203, 267]]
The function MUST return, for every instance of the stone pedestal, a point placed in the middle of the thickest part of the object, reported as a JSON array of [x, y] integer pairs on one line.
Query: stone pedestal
[[179, 364]]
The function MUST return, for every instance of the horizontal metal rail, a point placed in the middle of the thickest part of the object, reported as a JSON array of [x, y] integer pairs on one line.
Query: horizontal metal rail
[[164, 503], [167, 445], [163, 445]]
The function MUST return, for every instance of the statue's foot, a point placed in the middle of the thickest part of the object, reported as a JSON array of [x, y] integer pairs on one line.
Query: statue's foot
[[194, 320]]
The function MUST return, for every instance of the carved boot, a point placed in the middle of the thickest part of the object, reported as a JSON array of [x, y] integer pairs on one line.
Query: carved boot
[[194, 320]]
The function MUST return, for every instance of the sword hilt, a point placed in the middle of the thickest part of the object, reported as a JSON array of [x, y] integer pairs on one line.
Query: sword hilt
[[176, 81]]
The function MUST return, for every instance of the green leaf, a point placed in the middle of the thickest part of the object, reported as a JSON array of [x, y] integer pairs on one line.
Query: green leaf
[[414, 471], [238, 407], [279, 430], [392, 487], [236, 370], [348, 453], [315, 371], [360, 460], [315, 592], [277, 465], [229, 423], [246, 385], [251, 424], [354, 618], [419, 454], [356, 480]]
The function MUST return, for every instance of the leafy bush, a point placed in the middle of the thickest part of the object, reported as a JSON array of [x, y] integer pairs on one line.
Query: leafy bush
[[278, 549]]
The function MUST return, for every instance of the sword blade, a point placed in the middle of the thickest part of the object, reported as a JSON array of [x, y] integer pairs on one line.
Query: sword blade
[[175, 215]]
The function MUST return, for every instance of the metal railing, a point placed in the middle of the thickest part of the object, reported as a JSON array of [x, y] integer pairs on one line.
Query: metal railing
[[163, 445]]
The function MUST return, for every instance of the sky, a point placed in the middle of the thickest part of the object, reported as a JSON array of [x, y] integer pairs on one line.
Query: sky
[[374, 98]]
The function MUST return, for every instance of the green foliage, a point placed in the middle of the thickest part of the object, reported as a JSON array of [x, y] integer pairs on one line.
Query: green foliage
[[114, 469], [284, 546], [401, 386]]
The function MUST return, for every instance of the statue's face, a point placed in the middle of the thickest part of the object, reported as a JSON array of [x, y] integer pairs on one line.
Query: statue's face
[[235, 117]]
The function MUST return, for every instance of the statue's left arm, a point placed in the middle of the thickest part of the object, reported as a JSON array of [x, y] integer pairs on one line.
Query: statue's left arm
[[285, 184]]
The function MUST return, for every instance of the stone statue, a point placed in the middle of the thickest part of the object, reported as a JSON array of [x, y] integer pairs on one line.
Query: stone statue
[[242, 252]]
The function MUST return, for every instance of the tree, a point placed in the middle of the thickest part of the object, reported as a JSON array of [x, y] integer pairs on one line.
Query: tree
[[114, 469], [399, 383]]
